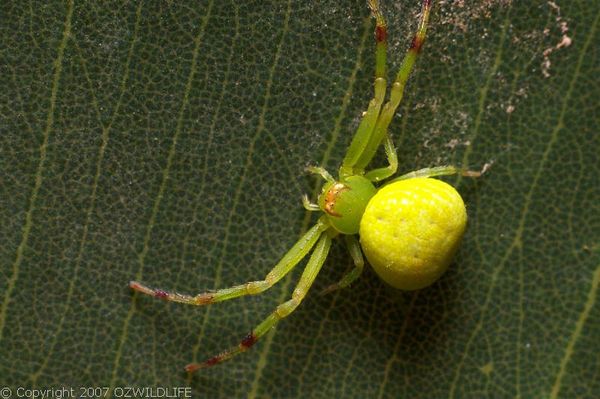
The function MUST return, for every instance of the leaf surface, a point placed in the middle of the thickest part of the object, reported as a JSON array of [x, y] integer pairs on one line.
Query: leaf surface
[[167, 143]]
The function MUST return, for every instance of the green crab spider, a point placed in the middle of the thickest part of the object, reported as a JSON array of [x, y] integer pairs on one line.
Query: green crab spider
[[409, 228]]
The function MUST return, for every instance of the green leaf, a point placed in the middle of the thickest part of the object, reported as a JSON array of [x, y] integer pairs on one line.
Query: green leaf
[[167, 142]]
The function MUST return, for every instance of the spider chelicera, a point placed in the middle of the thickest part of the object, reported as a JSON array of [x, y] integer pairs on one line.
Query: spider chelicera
[[409, 228]]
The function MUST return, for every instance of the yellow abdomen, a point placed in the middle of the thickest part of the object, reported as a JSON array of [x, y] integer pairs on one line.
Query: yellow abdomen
[[411, 229]]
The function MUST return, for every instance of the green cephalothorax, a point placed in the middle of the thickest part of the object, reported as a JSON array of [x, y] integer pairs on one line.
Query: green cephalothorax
[[345, 202], [409, 228]]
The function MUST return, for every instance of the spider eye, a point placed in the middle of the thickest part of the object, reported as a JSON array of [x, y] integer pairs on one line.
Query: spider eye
[[345, 202]]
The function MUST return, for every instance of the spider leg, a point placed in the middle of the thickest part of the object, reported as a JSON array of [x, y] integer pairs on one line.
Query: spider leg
[[309, 206], [440, 171], [365, 128], [317, 170], [308, 277], [289, 260], [379, 174], [397, 90], [355, 272]]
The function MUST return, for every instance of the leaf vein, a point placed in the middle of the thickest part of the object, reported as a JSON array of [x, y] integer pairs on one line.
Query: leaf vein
[[39, 172], [589, 304], [326, 155], [203, 181], [159, 195], [517, 241], [394, 356], [91, 207]]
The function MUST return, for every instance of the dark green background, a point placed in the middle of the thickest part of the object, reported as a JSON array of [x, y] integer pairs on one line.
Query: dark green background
[[166, 141]]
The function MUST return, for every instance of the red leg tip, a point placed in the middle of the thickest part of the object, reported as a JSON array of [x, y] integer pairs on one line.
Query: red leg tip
[[416, 44], [249, 340], [192, 367], [380, 34], [161, 294], [134, 285]]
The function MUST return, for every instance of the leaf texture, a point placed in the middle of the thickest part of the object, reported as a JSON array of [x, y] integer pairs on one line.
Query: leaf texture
[[166, 142]]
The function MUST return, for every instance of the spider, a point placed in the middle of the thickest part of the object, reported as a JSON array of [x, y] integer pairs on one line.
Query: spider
[[409, 228]]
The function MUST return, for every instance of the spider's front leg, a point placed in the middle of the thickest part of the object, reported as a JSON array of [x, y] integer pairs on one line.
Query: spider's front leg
[[367, 124], [318, 170], [289, 260], [367, 150], [308, 277]]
